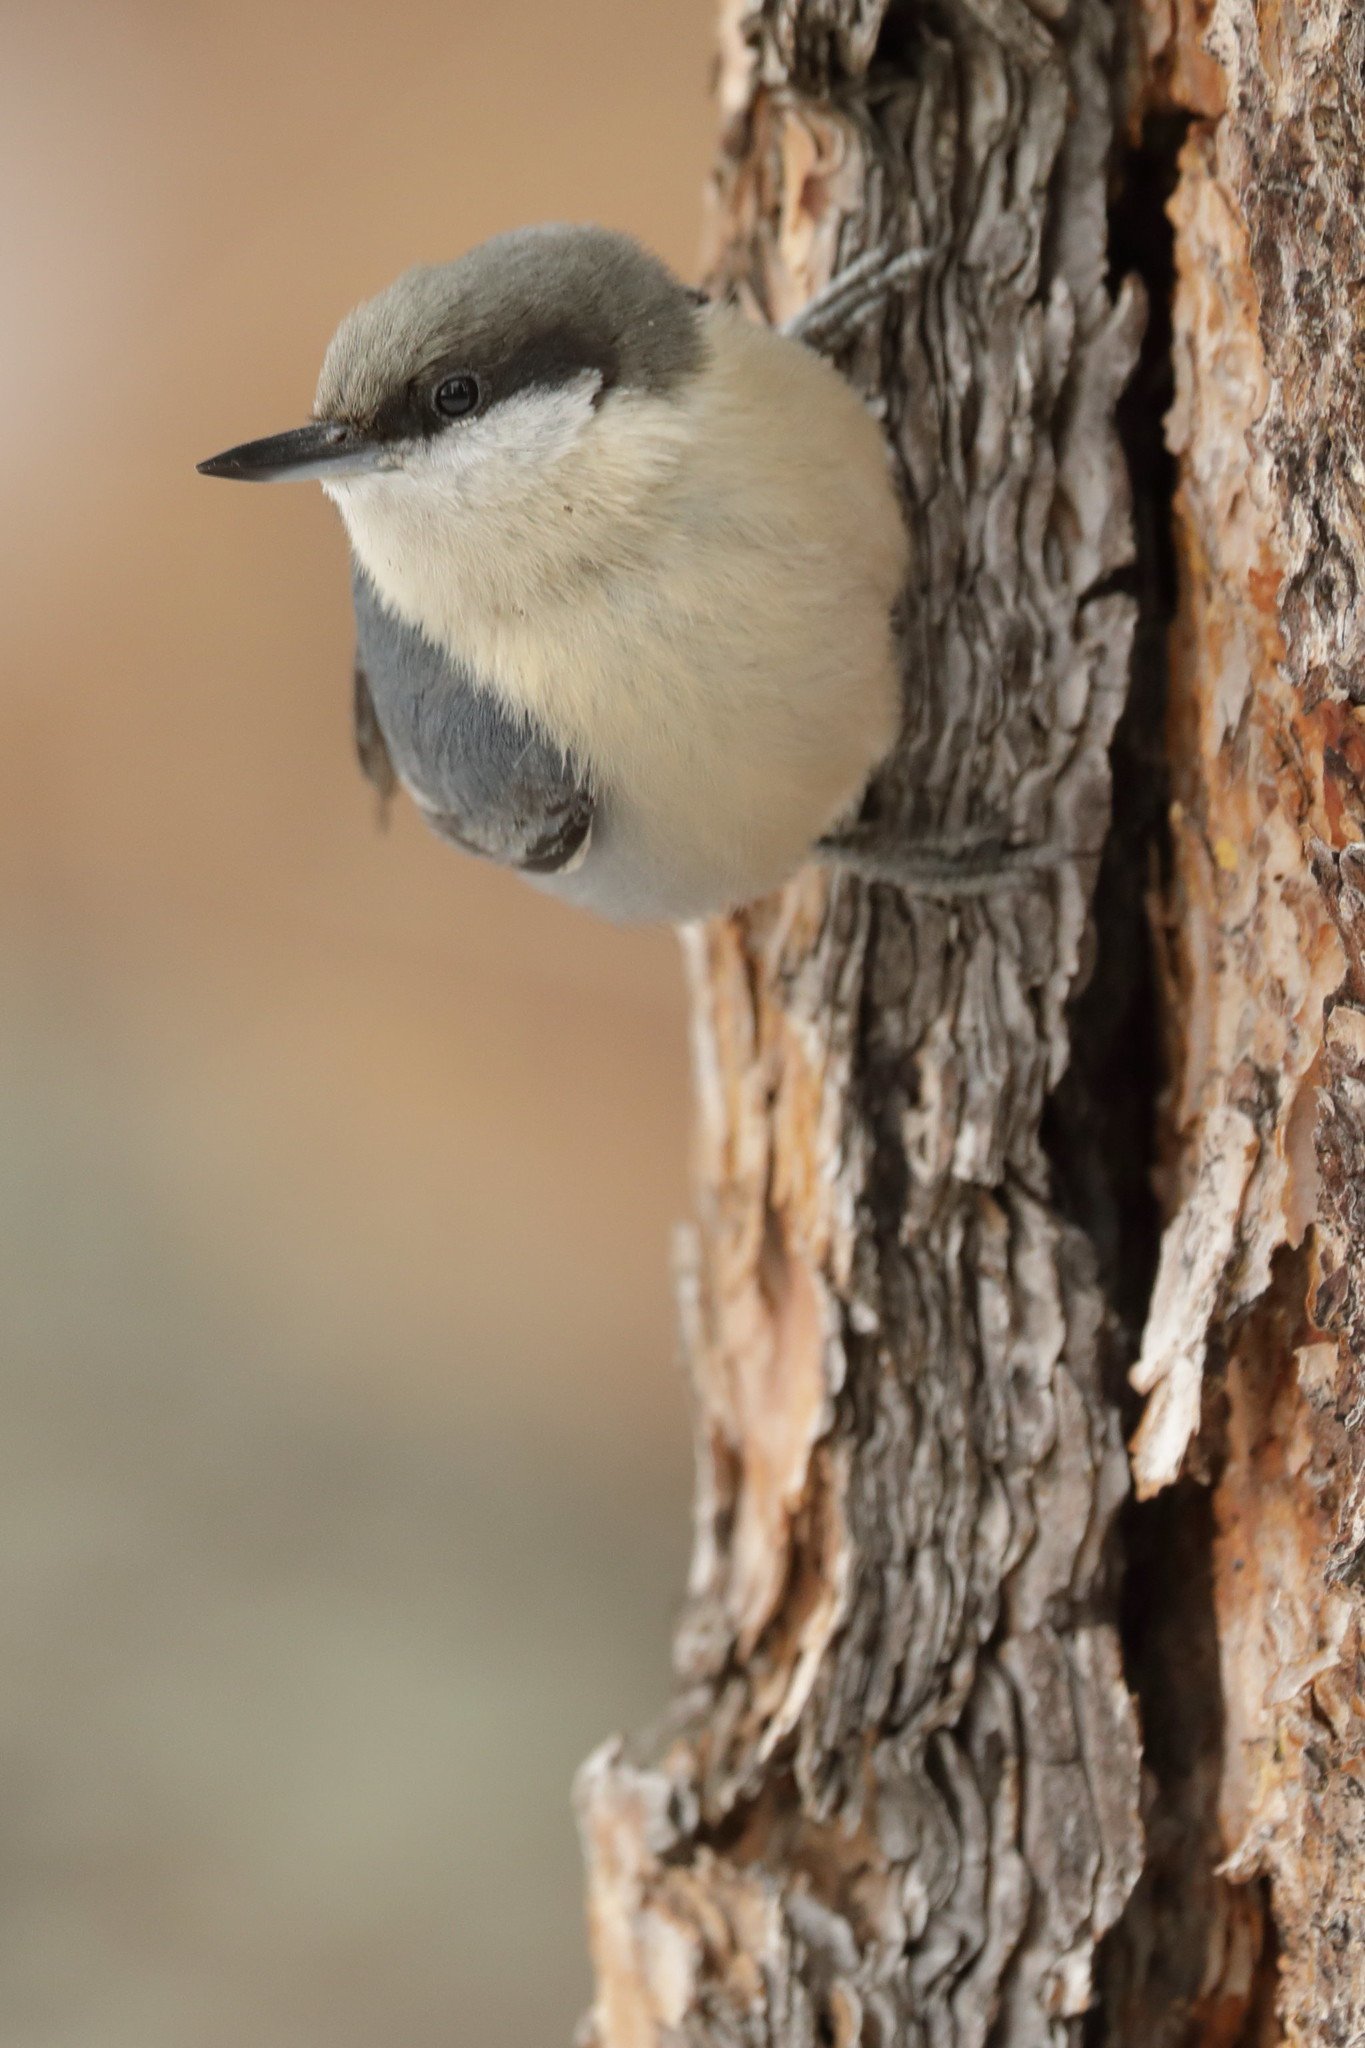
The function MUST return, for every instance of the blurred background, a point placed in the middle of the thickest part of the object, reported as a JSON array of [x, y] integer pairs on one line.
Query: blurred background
[[344, 1456]]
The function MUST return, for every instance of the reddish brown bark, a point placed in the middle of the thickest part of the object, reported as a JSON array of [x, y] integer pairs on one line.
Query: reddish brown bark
[[1254, 1355]]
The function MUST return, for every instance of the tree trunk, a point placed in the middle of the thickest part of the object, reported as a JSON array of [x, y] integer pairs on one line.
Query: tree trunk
[[1253, 1357], [900, 1795]]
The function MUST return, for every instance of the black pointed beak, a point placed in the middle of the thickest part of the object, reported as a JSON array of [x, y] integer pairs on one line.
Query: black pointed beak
[[325, 448]]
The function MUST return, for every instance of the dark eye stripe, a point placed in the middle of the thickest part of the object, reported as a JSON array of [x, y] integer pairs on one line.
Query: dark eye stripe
[[550, 357]]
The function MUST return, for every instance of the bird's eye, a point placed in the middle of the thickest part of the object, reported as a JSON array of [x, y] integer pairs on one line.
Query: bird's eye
[[457, 396]]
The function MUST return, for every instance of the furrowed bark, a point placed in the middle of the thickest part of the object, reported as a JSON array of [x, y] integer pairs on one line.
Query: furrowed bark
[[897, 1797], [1253, 1359]]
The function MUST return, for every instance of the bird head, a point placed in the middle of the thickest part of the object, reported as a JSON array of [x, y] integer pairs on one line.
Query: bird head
[[477, 376]]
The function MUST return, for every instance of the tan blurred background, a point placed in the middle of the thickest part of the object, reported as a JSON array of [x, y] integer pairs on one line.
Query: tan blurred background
[[343, 1450]]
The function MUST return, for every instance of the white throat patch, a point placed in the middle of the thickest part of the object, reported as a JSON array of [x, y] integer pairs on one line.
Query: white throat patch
[[475, 516]]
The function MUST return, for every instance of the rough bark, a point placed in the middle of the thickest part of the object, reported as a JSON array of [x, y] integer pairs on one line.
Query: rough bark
[[897, 1797], [1253, 1358]]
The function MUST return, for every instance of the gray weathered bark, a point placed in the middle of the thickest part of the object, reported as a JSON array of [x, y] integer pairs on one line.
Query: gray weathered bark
[[897, 1797]]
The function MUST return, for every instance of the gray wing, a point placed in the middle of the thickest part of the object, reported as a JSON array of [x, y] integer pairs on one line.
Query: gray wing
[[482, 774], [370, 745]]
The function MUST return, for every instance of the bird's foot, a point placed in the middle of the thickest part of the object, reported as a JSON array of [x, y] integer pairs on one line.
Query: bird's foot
[[945, 867], [847, 300]]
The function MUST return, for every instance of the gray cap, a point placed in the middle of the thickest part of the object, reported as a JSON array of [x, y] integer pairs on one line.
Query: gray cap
[[539, 306]]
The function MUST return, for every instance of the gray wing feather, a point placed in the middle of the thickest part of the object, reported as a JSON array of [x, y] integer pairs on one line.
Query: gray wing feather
[[371, 748], [483, 775]]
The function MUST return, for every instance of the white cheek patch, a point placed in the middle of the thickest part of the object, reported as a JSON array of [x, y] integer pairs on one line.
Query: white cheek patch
[[529, 432], [487, 459]]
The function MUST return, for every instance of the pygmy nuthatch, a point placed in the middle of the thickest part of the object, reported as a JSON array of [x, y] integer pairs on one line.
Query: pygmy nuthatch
[[624, 566]]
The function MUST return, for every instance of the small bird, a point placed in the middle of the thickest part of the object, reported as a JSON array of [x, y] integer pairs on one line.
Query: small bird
[[625, 566]]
